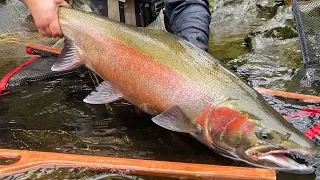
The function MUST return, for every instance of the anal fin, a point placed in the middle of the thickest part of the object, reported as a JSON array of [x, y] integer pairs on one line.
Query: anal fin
[[104, 93], [175, 120]]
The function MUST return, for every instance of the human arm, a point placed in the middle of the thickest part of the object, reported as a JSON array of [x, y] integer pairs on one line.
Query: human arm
[[190, 19], [45, 15]]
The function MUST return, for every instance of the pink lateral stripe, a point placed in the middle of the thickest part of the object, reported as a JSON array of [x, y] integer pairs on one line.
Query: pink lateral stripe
[[5, 79]]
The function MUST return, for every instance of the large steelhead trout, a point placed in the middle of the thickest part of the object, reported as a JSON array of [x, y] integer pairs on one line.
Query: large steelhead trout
[[183, 87]]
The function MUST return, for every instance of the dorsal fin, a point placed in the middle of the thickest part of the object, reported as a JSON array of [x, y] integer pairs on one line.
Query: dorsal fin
[[158, 23]]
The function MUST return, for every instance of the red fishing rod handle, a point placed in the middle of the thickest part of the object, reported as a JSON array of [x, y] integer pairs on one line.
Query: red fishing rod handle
[[41, 50]]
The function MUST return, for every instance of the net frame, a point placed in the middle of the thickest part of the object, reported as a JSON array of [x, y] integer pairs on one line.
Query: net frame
[[306, 14]]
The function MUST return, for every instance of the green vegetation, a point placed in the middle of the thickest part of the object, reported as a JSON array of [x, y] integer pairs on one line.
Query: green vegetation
[[287, 32], [228, 48], [211, 4]]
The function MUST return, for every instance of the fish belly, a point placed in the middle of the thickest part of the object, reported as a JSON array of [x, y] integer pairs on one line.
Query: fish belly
[[144, 82]]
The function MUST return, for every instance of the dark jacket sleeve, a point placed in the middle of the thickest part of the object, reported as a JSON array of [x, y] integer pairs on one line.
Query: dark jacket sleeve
[[190, 19]]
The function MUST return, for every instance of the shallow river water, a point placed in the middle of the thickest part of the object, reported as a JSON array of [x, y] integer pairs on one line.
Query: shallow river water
[[51, 116]]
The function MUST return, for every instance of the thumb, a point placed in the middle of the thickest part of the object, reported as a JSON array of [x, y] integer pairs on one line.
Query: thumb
[[64, 4]]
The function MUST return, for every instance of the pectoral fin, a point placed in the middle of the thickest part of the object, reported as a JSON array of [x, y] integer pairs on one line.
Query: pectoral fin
[[68, 58], [175, 120], [104, 93]]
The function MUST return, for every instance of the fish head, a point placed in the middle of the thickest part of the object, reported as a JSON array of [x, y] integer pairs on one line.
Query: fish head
[[260, 138]]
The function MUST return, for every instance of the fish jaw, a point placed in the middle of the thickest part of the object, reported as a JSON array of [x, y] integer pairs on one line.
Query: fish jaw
[[231, 134], [278, 158], [279, 152]]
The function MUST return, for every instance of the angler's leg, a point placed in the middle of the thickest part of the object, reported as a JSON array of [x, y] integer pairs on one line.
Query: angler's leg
[[80, 5], [190, 20]]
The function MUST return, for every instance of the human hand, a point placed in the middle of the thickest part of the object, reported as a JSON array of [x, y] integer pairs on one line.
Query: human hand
[[45, 15]]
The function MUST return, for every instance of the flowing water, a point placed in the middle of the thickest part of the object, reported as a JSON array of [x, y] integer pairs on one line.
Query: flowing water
[[51, 116]]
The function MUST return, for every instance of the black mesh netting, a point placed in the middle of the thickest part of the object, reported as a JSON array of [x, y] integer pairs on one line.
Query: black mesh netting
[[307, 15], [37, 70]]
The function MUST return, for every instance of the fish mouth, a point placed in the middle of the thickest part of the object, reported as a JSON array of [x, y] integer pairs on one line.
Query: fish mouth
[[280, 159]]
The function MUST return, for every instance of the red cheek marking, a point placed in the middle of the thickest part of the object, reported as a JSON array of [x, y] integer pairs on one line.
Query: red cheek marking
[[221, 117], [248, 127], [216, 120], [218, 117], [239, 124], [203, 117], [202, 120]]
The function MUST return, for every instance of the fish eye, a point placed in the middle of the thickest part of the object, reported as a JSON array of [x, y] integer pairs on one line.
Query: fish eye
[[264, 137], [264, 134]]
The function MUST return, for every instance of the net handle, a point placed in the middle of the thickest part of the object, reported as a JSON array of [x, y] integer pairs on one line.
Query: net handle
[[30, 159], [288, 94], [36, 49]]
